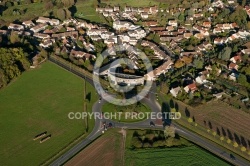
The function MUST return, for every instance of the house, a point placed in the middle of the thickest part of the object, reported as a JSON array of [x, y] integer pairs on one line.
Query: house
[[150, 23], [233, 66], [226, 26], [116, 8], [16, 27], [3, 32], [190, 88], [127, 9], [156, 28], [218, 4], [218, 41], [144, 15], [236, 58], [47, 43], [173, 23], [199, 35], [83, 55], [124, 25], [233, 76], [48, 20], [153, 9], [108, 9], [70, 29], [246, 51], [201, 79], [217, 30], [170, 28], [137, 33], [41, 35], [28, 24], [152, 75], [187, 35], [219, 95], [39, 27], [198, 15], [175, 91], [207, 24]]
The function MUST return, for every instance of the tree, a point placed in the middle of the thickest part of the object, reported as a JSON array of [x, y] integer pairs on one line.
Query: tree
[[229, 141], [214, 133], [28, 1], [169, 131], [248, 25], [242, 79], [221, 138], [235, 145], [226, 53], [243, 149], [60, 13], [48, 6], [243, 3], [14, 38], [190, 120], [198, 63], [13, 61]]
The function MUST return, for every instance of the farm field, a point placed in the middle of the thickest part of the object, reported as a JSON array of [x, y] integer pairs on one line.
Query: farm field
[[223, 119], [106, 150], [40, 100], [191, 155], [216, 117]]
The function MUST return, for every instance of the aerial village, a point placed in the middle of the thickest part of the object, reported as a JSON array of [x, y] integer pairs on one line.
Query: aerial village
[[193, 55]]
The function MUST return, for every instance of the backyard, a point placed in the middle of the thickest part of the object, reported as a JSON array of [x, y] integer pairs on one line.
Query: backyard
[[40, 101]]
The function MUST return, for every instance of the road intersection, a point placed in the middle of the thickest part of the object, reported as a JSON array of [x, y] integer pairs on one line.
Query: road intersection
[[152, 103]]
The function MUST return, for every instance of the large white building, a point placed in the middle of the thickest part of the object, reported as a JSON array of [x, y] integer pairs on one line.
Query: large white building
[[124, 25]]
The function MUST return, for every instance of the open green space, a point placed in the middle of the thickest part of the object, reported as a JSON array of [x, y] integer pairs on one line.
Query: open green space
[[32, 11], [40, 101], [132, 113]]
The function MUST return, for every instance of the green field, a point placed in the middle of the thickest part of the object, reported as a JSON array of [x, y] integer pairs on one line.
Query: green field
[[188, 156], [39, 101]]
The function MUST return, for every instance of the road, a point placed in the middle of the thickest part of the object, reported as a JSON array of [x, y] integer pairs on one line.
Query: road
[[155, 107]]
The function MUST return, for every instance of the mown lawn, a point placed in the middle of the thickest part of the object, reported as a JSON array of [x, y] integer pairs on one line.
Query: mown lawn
[[188, 156], [39, 101]]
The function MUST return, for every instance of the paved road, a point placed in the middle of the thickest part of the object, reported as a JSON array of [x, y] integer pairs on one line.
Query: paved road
[[155, 107]]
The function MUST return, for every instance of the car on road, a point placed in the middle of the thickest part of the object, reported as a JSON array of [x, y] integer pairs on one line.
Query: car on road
[[232, 157], [110, 125]]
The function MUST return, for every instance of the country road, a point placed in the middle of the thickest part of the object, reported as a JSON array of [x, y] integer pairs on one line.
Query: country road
[[155, 107]]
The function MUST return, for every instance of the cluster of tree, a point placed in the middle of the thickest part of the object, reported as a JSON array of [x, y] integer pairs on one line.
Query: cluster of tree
[[13, 62], [150, 138]]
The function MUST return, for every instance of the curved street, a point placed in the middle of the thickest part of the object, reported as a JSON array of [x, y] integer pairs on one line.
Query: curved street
[[155, 107]]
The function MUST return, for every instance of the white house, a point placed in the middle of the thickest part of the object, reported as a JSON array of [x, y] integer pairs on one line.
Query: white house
[[175, 91], [16, 27], [124, 25], [173, 23]]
